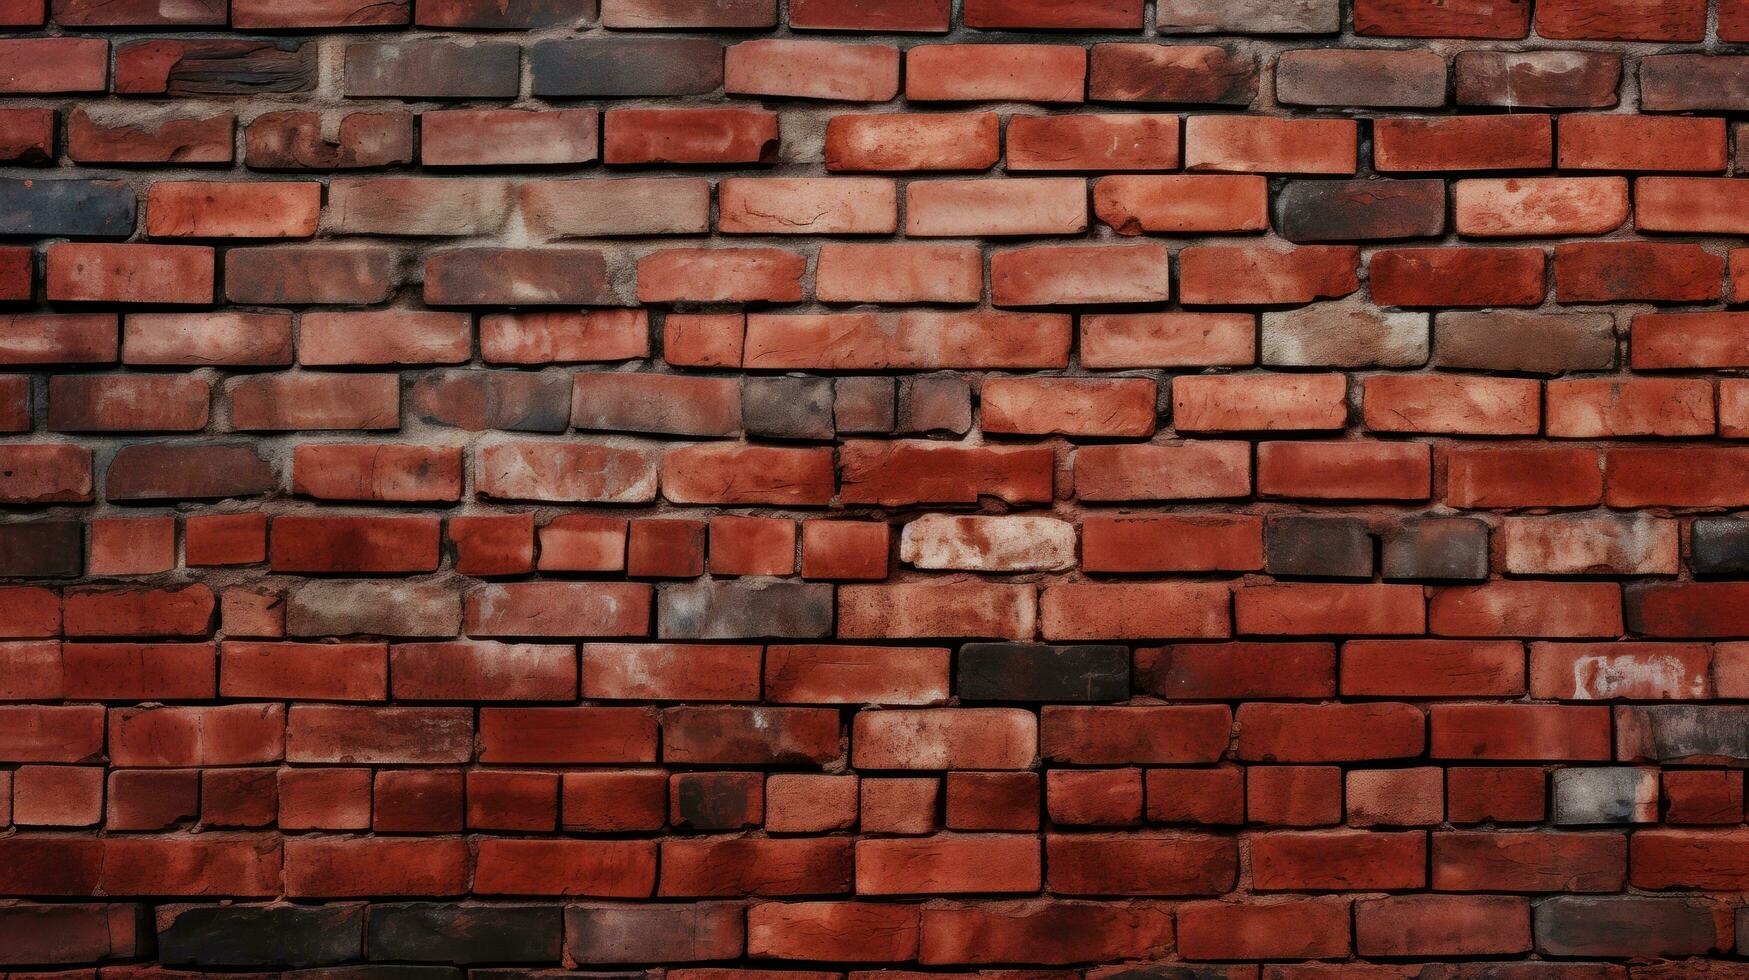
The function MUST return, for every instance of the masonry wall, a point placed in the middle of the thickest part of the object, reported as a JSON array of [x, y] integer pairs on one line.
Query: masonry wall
[[1035, 489]]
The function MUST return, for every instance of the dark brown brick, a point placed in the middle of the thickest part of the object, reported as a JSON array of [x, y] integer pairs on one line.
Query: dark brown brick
[[1694, 83], [219, 66], [1188, 73], [41, 549], [513, 277], [595, 67], [433, 69], [199, 471], [1387, 79], [1538, 79], [1359, 210]]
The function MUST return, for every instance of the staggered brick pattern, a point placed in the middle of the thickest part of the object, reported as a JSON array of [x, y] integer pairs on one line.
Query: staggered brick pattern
[[1041, 489]]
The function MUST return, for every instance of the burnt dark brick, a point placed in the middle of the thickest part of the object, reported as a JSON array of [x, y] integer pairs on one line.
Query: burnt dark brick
[[439, 932], [1515, 340], [429, 69], [41, 549], [1681, 733], [1171, 73], [1719, 546], [1538, 79], [626, 66], [864, 404], [503, 15], [1694, 82], [214, 67], [718, 800], [510, 276], [1360, 210], [246, 935], [787, 408], [935, 403], [1333, 547], [1040, 672], [295, 274], [1625, 925], [1437, 548], [742, 610], [517, 401], [204, 471], [40, 208]]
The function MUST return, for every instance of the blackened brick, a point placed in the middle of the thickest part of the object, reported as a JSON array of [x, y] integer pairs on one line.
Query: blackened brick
[[41, 549], [430, 69], [1437, 548], [1335, 547], [250, 935], [1037, 672], [214, 67], [597, 67], [66, 208], [787, 408], [1360, 210], [437, 932], [1719, 546]]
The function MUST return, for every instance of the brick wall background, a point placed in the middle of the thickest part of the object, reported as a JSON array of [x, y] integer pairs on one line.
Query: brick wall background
[[1167, 489]]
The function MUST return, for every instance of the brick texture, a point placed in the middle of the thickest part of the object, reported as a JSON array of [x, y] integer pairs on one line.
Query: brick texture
[[862, 489]]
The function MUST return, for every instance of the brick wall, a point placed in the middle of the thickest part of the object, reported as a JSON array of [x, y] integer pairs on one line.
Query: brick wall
[[1035, 489]]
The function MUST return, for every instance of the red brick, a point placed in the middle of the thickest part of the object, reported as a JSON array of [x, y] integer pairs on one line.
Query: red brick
[[948, 864], [1260, 144], [1219, 275], [1244, 403], [1293, 796], [1526, 608], [1654, 143], [304, 671], [1523, 207], [567, 735], [232, 209], [1523, 476], [173, 737], [1092, 142], [507, 137], [360, 545], [1433, 668], [1297, 928], [913, 141], [731, 135], [1611, 20], [961, 609], [1051, 275], [1457, 277], [342, 867], [1506, 794], [913, 339], [1513, 142], [812, 69], [1519, 731], [853, 15], [1467, 18], [994, 207], [1182, 204], [381, 472], [103, 273], [730, 275], [1329, 732], [1585, 408], [1612, 272], [992, 73], [1454, 404], [132, 546], [27, 136], [807, 205], [53, 64], [671, 672], [1203, 469]]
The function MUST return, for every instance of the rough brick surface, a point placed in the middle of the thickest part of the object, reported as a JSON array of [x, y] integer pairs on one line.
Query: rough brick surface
[[860, 489]]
